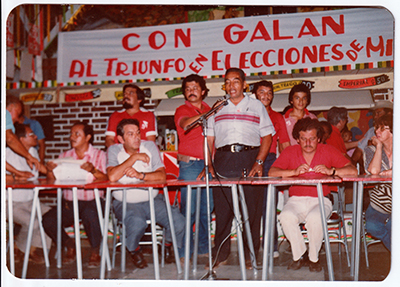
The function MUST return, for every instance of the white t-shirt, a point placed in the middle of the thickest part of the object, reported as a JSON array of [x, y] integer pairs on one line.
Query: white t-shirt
[[19, 163]]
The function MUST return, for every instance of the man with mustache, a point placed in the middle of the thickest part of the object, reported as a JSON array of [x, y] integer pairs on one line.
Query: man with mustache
[[132, 104], [191, 153], [305, 159]]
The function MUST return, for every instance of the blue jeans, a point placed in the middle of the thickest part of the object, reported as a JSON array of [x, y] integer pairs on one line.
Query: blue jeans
[[138, 213], [379, 225], [190, 170]]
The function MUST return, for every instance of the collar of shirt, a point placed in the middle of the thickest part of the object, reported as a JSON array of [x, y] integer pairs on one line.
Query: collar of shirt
[[204, 105], [287, 114]]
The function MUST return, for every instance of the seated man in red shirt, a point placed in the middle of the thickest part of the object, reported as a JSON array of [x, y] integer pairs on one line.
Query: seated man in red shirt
[[307, 158]]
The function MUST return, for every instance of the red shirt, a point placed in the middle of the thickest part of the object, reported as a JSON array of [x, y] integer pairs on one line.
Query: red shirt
[[292, 157], [336, 140], [146, 120], [280, 129], [192, 142]]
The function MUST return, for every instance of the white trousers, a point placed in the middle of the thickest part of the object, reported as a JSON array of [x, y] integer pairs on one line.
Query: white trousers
[[305, 209]]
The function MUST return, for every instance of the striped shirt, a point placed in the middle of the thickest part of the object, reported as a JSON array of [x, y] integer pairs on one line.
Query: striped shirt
[[98, 159], [381, 194], [244, 123]]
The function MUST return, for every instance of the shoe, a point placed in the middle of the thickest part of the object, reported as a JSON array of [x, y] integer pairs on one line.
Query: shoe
[[276, 254], [249, 264], [69, 256], [216, 264], [315, 266], [138, 259], [169, 254], [36, 256], [303, 261], [94, 260]]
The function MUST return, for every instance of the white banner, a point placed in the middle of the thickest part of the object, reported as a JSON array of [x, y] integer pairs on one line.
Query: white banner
[[262, 44]]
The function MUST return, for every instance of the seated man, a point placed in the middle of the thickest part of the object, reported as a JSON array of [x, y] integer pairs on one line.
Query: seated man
[[81, 139], [132, 161], [307, 158], [18, 168]]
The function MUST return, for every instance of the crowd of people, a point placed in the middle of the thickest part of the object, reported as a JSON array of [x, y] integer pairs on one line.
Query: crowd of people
[[245, 136]]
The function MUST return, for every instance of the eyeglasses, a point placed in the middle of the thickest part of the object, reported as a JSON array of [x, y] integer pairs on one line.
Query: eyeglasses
[[30, 135]]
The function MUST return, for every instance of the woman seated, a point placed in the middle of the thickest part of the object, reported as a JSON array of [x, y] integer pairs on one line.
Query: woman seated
[[378, 161]]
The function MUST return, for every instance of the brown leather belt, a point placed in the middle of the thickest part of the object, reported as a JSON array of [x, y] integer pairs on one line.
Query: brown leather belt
[[236, 148]]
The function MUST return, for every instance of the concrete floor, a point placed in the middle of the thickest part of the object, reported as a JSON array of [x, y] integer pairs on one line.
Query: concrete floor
[[379, 259]]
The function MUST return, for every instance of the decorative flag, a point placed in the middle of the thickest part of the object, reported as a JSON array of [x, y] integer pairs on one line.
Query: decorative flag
[[10, 30], [34, 40]]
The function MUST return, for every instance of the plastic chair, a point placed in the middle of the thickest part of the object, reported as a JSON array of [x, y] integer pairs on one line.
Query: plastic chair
[[365, 243]]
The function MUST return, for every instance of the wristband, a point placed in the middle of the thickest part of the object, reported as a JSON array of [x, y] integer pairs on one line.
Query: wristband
[[334, 171], [144, 175]]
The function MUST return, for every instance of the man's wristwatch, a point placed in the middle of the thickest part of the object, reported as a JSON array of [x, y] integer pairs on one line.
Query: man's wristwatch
[[259, 161]]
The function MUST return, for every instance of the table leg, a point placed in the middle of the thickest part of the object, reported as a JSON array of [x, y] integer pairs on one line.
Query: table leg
[[238, 220], [187, 232], [268, 223], [196, 232], [173, 234], [354, 229], [77, 233], [30, 231], [59, 226], [154, 234], [247, 228], [42, 234], [325, 230], [11, 230], [123, 247], [105, 233], [357, 235]]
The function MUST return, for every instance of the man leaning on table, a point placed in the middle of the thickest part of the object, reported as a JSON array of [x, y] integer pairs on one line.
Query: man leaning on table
[[133, 161], [81, 139], [307, 159], [242, 132]]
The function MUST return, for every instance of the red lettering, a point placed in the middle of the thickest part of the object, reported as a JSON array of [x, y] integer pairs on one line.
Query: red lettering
[[154, 65], [215, 61], [77, 68], [143, 67], [134, 68], [243, 60], [121, 69], [240, 34], [280, 57], [380, 47], [89, 70], [180, 65], [337, 28], [289, 58], [228, 61], [265, 58], [200, 59], [311, 29], [253, 59], [194, 68], [125, 42], [276, 32], [311, 55], [167, 65], [264, 33], [323, 53], [389, 47], [338, 55], [356, 46], [352, 55], [109, 66], [179, 34], [152, 40]]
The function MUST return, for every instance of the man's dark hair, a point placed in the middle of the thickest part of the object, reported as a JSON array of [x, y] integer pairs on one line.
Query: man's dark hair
[[20, 130], [123, 123], [307, 124], [263, 83], [236, 70], [300, 88], [336, 114], [386, 120], [327, 125], [12, 100], [87, 129], [139, 92], [198, 79]]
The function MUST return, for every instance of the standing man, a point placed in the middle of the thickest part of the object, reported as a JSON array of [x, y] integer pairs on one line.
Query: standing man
[[132, 103], [242, 133], [191, 153], [307, 157], [13, 112], [81, 139], [132, 161], [264, 91]]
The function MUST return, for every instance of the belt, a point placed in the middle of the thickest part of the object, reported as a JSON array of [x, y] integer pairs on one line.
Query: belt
[[186, 158], [236, 148]]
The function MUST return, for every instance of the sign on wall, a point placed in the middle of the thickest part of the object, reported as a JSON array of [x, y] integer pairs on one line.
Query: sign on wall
[[272, 44]]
